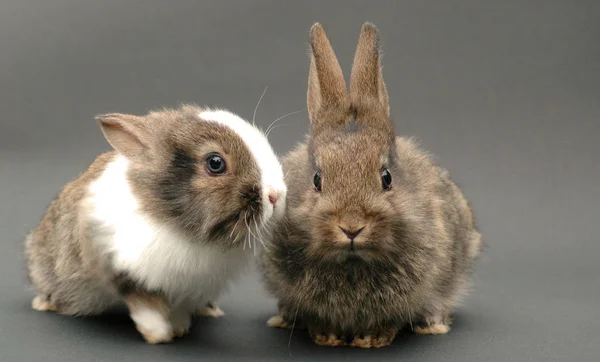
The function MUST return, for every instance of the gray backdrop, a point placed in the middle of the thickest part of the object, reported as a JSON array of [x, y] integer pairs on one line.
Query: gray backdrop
[[504, 93]]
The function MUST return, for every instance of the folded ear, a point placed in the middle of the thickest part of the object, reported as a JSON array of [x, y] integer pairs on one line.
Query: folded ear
[[128, 134], [326, 85], [366, 78]]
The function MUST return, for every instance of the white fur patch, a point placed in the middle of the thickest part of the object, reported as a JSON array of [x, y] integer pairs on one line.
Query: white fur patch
[[156, 255], [269, 166], [153, 323]]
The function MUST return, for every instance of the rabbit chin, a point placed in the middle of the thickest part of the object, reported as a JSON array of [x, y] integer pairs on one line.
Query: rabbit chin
[[355, 256], [343, 251]]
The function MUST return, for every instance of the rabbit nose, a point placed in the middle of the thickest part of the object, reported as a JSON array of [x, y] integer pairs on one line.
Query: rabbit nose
[[273, 197], [351, 234]]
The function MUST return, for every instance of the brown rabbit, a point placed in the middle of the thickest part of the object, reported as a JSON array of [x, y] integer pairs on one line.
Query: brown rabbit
[[375, 236], [161, 223]]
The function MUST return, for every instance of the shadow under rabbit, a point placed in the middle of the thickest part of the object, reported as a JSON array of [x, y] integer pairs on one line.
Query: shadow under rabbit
[[235, 337], [116, 324], [406, 343]]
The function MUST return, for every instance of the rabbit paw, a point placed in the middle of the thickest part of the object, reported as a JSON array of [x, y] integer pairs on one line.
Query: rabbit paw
[[43, 304], [151, 317], [329, 339], [210, 310], [437, 324], [383, 339], [436, 328], [278, 321], [152, 336]]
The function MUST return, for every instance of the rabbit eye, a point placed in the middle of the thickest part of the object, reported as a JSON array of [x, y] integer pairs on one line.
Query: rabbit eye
[[215, 164], [317, 181], [386, 179]]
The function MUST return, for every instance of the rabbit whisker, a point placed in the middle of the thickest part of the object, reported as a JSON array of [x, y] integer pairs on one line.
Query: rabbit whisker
[[280, 118], [277, 126], [247, 228], [258, 232], [292, 331], [250, 230], [234, 226], [286, 174], [257, 104]]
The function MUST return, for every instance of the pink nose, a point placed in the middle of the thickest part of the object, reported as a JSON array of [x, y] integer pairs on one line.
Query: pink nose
[[273, 198]]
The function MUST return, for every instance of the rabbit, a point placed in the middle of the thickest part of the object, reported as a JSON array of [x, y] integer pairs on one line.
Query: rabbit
[[375, 237], [162, 223]]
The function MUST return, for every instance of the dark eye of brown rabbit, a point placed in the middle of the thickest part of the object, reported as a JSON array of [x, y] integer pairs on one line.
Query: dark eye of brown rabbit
[[386, 179], [317, 181], [215, 164]]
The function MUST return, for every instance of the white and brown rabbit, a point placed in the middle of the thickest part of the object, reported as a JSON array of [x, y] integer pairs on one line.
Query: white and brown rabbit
[[161, 223], [375, 236]]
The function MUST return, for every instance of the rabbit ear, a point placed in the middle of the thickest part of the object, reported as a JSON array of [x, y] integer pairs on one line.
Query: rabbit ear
[[366, 79], [326, 85], [128, 134]]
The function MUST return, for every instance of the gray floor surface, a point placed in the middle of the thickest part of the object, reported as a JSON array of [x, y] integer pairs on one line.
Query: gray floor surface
[[506, 94]]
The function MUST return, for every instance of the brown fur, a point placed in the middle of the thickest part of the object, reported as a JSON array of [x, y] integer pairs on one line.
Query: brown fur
[[56, 252], [167, 174], [419, 241]]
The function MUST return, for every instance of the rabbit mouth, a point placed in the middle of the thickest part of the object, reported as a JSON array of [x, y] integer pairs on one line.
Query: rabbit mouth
[[355, 253], [353, 248]]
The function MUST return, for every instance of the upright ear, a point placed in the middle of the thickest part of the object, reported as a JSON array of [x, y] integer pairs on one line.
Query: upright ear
[[366, 79], [326, 85], [128, 134]]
